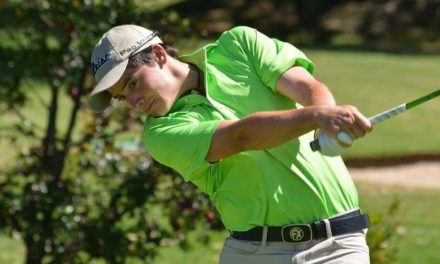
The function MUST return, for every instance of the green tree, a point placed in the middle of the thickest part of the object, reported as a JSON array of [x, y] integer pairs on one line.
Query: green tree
[[71, 194]]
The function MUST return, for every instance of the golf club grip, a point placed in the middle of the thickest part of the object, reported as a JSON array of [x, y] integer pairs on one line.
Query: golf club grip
[[314, 145], [387, 114]]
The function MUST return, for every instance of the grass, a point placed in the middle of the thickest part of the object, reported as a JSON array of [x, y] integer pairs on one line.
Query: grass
[[200, 253], [418, 242], [11, 250], [420, 238]]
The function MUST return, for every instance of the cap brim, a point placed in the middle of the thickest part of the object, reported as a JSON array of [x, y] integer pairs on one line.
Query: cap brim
[[100, 98]]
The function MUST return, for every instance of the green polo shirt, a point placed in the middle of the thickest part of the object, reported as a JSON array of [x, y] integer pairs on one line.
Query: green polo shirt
[[273, 187]]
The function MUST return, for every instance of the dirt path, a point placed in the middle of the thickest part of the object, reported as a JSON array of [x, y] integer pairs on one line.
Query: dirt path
[[423, 174]]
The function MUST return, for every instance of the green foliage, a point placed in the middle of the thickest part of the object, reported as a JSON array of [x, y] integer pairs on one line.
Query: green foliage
[[383, 234], [103, 195], [75, 197]]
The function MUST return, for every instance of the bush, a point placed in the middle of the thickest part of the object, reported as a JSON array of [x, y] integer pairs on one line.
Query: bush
[[74, 196], [383, 234]]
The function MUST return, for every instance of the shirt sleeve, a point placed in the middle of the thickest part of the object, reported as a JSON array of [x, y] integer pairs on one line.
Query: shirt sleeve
[[269, 57], [180, 141]]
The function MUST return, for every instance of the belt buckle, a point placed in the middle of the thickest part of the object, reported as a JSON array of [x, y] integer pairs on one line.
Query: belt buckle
[[300, 233]]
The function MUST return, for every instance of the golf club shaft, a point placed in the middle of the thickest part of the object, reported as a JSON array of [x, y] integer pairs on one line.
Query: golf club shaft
[[402, 108], [389, 113]]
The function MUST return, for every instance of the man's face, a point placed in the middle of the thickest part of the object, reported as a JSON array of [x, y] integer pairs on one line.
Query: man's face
[[147, 89]]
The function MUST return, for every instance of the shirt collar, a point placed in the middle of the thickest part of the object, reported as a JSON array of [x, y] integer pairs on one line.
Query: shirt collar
[[197, 57], [188, 100]]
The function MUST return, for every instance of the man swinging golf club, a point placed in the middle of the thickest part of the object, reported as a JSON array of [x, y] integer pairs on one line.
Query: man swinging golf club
[[236, 117]]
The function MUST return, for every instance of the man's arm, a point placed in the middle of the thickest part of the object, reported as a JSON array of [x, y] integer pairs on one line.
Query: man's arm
[[300, 86], [270, 129]]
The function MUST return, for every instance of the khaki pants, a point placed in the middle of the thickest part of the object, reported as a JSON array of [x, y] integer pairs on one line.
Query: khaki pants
[[349, 248]]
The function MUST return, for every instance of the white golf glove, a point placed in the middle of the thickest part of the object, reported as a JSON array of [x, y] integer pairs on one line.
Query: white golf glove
[[330, 146]]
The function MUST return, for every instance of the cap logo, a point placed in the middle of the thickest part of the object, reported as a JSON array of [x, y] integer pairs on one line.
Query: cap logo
[[139, 44], [100, 61], [134, 47]]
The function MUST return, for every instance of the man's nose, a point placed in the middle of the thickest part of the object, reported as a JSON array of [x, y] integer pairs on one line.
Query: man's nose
[[132, 98]]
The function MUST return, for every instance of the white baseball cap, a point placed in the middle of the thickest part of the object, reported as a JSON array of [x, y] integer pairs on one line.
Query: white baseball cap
[[110, 58]]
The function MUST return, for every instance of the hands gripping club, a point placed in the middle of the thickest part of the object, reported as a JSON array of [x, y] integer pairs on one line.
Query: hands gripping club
[[330, 146]]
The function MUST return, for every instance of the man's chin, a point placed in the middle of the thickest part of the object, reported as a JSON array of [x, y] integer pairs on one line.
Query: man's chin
[[158, 114]]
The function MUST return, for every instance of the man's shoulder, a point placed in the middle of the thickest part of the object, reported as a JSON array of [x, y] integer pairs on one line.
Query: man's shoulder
[[240, 30], [239, 33]]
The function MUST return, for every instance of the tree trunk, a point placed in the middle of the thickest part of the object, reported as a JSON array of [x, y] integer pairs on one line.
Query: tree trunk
[[49, 141], [35, 251]]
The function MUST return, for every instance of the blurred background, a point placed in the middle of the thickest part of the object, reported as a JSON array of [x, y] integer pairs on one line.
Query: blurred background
[[77, 187]]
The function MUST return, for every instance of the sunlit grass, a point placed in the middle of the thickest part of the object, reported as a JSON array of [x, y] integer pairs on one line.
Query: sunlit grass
[[11, 250], [419, 237]]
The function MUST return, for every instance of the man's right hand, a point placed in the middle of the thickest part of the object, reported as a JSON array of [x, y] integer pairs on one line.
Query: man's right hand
[[346, 118]]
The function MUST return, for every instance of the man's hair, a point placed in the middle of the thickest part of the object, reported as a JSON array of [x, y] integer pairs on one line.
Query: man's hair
[[146, 56]]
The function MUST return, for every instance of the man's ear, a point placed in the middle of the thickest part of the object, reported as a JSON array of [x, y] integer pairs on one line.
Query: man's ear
[[160, 54]]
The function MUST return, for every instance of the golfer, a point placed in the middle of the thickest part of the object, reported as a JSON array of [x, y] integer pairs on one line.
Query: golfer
[[236, 117]]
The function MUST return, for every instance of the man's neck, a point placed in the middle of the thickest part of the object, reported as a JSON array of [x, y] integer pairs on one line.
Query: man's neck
[[191, 78]]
